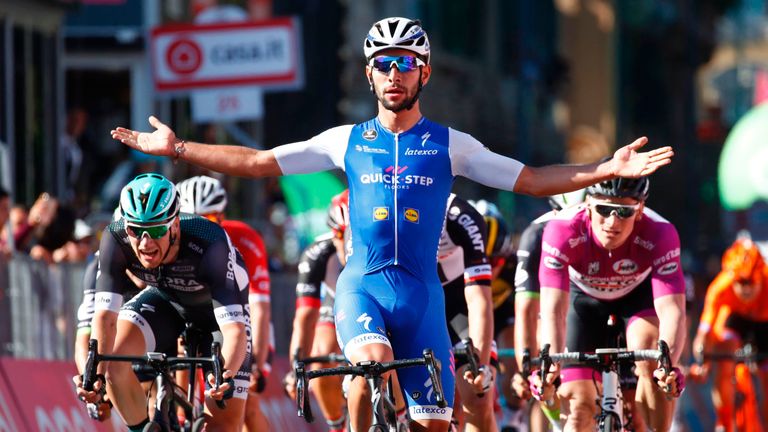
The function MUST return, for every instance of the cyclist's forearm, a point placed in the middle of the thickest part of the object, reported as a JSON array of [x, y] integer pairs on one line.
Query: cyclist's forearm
[[554, 309], [103, 329], [671, 312], [234, 346], [480, 317], [81, 348], [526, 313], [555, 179], [304, 330], [260, 331], [233, 160]]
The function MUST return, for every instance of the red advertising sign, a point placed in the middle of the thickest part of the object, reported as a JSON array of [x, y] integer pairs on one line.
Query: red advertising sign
[[45, 397], [10, 418], [265, 53]]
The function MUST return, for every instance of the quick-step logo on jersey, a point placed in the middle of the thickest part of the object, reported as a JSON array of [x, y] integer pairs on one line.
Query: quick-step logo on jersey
[[393, 179]]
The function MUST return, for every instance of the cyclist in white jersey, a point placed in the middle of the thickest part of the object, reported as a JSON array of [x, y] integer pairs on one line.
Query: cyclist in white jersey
[[613, 256], [400, 168]]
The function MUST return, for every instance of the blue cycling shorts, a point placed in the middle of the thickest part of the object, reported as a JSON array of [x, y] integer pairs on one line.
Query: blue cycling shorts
[[392, 307]]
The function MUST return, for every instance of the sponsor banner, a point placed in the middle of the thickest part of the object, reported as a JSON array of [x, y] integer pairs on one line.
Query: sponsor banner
[[45, 397], [39, 396]]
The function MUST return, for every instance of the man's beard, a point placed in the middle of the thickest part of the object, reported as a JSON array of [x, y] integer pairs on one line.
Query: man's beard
[[393, 106]]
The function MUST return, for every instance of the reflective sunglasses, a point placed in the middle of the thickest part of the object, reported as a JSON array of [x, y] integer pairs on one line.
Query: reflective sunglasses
[[623, 211], [403, 64], [154, 232]]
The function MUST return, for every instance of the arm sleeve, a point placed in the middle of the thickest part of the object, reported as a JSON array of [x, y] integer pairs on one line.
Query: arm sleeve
[[320, 153], [471, 159], [110, 274], [713, 302], [667, 274], [553, 266], [528, 258], [312, 269], [222, 269], [467, 229]]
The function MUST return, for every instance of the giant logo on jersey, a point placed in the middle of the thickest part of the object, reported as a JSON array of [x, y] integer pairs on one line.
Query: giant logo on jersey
[[393, 179]]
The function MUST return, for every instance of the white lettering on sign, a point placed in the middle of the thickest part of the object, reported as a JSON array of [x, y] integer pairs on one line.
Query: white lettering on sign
[[219, 55]]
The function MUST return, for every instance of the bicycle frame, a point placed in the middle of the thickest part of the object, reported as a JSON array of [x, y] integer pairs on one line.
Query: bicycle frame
[[383, 407]]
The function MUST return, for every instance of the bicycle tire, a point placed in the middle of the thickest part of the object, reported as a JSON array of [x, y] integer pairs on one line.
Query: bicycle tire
[[378, 428], [152, 427], [198, 424], [609, 423]]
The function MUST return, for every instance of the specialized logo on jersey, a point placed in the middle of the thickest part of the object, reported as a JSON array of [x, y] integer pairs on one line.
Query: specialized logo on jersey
[[370, 134], [625, 266], [418, 152], [553, 263], [412, 215], [365, 319], [674, 253], [668, 269], [380, 213], [366, 149], [424, 139]]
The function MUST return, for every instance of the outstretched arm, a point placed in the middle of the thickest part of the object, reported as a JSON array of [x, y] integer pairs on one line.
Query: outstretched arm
[[227, 159], [626, 162]]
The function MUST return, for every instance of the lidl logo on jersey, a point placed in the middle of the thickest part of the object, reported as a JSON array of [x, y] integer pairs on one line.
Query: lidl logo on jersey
[[370, 134], [380, 213], [412, 215]]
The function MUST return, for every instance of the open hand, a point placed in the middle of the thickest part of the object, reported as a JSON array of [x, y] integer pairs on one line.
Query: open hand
[[629, 162], [160, 142]]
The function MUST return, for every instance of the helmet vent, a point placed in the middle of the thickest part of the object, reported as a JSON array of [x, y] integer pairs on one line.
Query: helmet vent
[[378, 27], [392, 27], [408, 26], [159, 198]]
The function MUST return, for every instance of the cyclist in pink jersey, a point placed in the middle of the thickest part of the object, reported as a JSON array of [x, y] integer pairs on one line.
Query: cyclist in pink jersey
[[613, 256]]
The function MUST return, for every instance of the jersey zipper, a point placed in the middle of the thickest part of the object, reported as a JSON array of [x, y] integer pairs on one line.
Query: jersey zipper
[[395, 186]]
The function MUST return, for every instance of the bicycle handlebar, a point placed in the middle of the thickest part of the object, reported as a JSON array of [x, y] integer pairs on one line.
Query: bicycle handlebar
[[366, 369], [159, 362]]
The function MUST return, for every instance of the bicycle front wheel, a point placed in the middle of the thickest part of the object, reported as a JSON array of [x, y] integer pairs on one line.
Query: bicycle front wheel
[[609, 423], [153, 427]]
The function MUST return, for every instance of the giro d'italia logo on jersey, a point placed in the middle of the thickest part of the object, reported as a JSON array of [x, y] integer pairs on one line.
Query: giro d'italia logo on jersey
[[396, 178]]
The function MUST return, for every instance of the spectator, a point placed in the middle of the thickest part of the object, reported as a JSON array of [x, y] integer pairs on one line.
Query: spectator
[[80, 248], [71, 151], [50, 225]]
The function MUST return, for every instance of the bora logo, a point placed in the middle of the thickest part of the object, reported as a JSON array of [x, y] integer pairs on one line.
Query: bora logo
[[380, 213], [412, 215]]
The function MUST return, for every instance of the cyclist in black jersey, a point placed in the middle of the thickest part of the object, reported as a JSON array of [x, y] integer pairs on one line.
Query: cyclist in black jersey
[[465, 274], [194, 275], [314, 332]]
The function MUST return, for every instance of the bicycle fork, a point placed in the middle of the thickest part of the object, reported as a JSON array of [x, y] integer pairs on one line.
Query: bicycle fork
[[611, 402]]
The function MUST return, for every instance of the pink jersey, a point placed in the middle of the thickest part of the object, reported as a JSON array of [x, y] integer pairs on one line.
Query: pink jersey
[[570, 252]]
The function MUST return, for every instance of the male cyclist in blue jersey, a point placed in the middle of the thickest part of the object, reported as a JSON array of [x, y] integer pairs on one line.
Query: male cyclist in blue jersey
[[400, 168]]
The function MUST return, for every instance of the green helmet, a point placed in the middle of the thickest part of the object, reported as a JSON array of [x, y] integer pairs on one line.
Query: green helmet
[[149, 199]]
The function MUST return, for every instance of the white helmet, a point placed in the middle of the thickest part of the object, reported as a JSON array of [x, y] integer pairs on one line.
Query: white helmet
[[202, 195], [568, 199], [397, 32]]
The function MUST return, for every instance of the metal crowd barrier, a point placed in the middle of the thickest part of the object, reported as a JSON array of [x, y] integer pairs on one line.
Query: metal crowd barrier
[[38, 308]]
